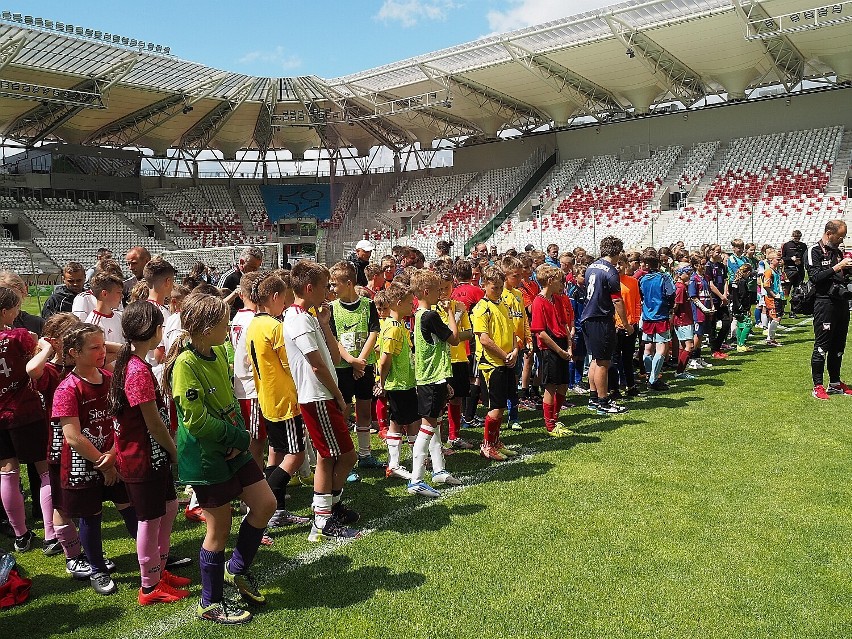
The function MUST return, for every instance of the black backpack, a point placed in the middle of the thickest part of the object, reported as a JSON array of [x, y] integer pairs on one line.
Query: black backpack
[[802, 299]]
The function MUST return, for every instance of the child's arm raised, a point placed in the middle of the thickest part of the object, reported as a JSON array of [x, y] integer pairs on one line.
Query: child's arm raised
[[35, 367]]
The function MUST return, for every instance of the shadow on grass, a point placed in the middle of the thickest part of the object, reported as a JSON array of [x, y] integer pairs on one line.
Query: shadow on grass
[[332, 583], [42, 615], [433, 518]]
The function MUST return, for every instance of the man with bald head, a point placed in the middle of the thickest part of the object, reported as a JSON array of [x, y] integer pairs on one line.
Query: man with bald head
[[829, 271], [136, 259]]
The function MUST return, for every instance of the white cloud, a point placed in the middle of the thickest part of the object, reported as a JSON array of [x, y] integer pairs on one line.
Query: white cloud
[[277, 57], [525, 13], [409, 12]]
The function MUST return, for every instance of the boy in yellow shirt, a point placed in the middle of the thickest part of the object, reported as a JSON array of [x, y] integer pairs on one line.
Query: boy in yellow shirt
[[498, 355], [460, 380], [513, 298]]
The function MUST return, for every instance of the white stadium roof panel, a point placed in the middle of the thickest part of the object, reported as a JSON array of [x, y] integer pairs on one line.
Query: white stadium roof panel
[[514, 75]]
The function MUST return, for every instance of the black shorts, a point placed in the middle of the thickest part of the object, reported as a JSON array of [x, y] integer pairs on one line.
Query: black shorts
[[432, 399], [361, 388], [500, 386], [27, 443], [55, 486], [599, 334], [460, 381], [85, 502], [554, 369], [149, 497], [402, 406], [287, 436], [215, 495]]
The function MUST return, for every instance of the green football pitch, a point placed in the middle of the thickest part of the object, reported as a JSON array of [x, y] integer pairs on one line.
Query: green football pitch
[[718, 509]]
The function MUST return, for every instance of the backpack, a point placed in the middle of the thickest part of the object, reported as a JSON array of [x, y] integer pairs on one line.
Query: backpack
[[802, 299]]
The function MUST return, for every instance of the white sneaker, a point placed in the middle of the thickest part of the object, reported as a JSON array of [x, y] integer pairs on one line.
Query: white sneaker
[[399, 471], [705, 363], [445, 477], [694, 365], [422, 488]]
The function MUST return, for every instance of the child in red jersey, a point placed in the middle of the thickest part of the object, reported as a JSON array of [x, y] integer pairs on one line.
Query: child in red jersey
[[23, 436], [145, 451], [88, 476], [47, 369], [550, 325]]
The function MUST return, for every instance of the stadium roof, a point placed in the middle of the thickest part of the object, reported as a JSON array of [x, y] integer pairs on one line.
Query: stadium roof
[[65, 82]]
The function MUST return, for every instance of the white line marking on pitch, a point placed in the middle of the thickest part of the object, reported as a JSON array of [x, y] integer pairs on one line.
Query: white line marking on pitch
[[167, 625]]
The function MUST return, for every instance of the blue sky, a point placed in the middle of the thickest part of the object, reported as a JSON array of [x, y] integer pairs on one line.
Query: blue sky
[[328, 38]]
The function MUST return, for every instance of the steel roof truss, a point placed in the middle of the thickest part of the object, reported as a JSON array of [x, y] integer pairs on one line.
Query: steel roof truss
[[592, 99], [683, 83], [203, 131], [786, 58], [133, 126]]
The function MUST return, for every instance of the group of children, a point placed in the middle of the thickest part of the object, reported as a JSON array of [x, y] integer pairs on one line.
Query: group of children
[[247, 402]]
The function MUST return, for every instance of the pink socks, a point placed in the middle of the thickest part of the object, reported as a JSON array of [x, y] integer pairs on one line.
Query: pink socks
[[13, 501], [46, 499]]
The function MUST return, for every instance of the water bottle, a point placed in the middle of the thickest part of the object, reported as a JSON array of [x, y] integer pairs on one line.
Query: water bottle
[[7, 562]]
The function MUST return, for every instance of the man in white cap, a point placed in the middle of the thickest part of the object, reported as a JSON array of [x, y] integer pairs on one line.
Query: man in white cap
[[360, 258]]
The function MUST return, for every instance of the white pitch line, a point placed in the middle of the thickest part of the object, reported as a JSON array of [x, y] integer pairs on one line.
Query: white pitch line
[[167, 625]]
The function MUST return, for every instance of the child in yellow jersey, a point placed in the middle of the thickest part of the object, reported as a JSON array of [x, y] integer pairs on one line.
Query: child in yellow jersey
[[380, 406], [497, 353], [513, 298], [276, 391], [460, 381], [396, 375]]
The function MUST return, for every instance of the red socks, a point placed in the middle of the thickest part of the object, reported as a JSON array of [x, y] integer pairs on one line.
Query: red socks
[[558, 402], [454, 419], [682, 359], [492, 429], [380, 407], [549, 418]]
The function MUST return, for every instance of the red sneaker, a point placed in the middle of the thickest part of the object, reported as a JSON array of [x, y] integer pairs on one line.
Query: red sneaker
[[162, 593], [838, 389], [720, 355], [819, 393], [194, 514], [175, 581]]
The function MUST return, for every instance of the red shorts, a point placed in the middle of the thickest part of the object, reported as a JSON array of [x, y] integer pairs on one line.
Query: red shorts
[[327, 427], [88, 501], [255, 422], [657, 327]]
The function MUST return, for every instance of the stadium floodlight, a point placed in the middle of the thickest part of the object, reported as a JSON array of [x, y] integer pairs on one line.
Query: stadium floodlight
[[35, 22], [761, 27]]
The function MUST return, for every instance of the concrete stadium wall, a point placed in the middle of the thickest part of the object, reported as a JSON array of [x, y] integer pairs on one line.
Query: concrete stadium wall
[[723, 122]]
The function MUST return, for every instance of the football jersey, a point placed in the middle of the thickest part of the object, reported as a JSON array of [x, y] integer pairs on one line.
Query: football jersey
[[138, 455], [303, 334], [468, 294], [46, 385], [20, 404], [395, 342], [492, 318], [458, 353], [109, 324], [244, 387], [602, 287], [84, 304], [76, 397], [270, 367]]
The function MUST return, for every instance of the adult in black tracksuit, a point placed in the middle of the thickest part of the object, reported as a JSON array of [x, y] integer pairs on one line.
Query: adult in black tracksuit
[[825, 266], [793, 255]]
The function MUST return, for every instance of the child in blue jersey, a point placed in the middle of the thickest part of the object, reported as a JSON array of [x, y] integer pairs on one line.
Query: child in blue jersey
[[658, 290], [576, 291]]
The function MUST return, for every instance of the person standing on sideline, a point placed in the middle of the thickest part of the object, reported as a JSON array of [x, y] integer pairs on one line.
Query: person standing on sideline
[[603, 301], [793, 255], [250, 260], [62, 299], [827, 269]]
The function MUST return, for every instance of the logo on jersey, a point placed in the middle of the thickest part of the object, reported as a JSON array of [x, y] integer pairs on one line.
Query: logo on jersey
[[191, 394]]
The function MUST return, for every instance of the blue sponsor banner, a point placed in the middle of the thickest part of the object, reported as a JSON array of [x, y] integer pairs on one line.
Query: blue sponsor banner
[[297, 200]]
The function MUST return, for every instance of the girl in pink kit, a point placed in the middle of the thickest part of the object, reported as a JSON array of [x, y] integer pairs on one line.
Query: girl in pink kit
[[47, 369], [23, 435], [145, 452], [88, 476]]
